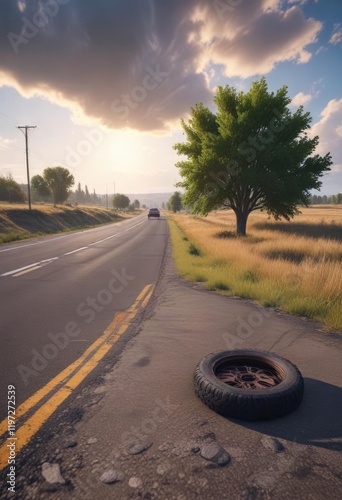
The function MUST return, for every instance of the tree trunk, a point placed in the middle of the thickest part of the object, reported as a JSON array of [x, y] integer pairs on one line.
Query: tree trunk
[[241, 223]]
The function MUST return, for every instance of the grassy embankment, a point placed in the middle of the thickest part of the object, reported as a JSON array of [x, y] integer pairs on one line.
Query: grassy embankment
[[17, 222], [295, 266]]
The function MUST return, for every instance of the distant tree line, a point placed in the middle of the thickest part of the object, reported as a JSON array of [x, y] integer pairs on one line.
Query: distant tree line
[[335, 199], [84, 197], [54, 186]]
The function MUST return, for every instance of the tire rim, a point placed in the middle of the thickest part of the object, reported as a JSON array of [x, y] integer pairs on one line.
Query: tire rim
[[248, 375]]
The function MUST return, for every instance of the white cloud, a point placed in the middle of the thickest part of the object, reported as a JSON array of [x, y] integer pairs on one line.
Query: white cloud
[[319, 50], [336, 36], [142, 64], [255, 37], [300, 2], [301, 99], [21, 6], [329, 129], [5, 141]]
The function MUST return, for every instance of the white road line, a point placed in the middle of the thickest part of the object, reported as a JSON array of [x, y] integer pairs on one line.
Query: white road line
[[47, 261], [20, 269], [22, 247], [27, 271], [15, 271], [117, 234], [78, 250]]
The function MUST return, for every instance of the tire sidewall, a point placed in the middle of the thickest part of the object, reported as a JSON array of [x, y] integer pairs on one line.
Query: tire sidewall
[[287, 370]]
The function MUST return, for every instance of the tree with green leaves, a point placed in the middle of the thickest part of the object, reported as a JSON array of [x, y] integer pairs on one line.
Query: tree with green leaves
[[136, 204], [254, 153], [40, 188], [120, 201], [59, 180], [87, 195], [175, 202], [94, 198], [10, 190], [79, 194]]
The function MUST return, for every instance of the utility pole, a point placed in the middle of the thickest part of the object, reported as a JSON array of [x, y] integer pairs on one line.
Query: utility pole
[[26, 128]]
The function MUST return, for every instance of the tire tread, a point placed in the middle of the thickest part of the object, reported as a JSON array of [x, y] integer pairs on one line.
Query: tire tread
[[245, 406]]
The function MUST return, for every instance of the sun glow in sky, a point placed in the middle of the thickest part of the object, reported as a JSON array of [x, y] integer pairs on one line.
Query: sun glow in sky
[[106, 83]]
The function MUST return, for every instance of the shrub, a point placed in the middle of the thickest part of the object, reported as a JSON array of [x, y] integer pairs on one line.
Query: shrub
[[193, 250]]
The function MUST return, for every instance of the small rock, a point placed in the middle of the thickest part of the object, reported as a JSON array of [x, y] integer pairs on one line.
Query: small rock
[[135, 482], [52, 473], [181, 475], [139, 448], [92, 440], [163, 468], [96, 461], [70, 442], [94, 401], [273, 444], [110, 477], [100, 389], [209, 451], [215, 453], [195, 450]]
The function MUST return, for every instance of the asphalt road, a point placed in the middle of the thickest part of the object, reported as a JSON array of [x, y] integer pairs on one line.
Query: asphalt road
[[58, 294]]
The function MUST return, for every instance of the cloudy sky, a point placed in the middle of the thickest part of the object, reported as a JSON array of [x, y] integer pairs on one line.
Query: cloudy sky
[[106, 82]]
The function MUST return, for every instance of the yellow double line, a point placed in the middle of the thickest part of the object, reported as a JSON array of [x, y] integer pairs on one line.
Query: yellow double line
[[68, 379]]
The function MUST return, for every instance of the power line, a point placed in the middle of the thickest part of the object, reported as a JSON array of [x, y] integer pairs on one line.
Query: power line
[[26, 128], [12, 149], [51, 160]]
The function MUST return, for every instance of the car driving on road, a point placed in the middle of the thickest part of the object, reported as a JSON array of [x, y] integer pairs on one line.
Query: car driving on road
[[153, 212]]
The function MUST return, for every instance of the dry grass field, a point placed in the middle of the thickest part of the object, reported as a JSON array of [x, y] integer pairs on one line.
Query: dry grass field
[[296, 265]]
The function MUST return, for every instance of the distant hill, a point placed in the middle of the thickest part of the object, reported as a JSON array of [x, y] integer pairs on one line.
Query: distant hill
[[153, 200]]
